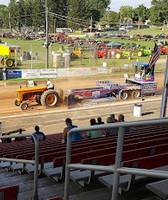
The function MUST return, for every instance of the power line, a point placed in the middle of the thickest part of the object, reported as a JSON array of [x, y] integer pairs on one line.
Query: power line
[[73, 20]]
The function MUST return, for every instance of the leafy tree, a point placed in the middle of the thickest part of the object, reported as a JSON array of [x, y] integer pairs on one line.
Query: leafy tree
[[4, 16], [58, 11], [78, 12], [20, 14], [110, 18], [38, 14], [13, 9], [141, 13], [159, 11], [126, 13], [84, 10]]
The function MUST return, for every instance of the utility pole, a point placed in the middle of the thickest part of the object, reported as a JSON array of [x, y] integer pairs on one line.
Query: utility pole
[[46, 16], [54, 24], [10, 28], [91, 21]]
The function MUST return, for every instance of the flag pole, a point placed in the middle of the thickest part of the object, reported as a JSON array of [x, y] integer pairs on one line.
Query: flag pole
[[165, 93]]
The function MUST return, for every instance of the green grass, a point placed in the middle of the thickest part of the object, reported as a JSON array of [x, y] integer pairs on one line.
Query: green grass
[[155, 30], [36, 47]]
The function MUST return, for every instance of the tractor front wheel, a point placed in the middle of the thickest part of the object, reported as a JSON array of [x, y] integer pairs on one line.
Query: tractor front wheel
[[49, 98], [24, 106], [17, 103]]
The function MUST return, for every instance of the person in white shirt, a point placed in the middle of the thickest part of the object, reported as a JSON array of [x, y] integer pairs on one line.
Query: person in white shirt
[[50, 85]]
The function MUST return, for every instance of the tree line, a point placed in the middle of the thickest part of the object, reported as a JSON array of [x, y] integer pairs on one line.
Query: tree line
[[77, 14]]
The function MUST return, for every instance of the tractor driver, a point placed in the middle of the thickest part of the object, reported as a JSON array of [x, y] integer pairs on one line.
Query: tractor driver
[[50, 85]]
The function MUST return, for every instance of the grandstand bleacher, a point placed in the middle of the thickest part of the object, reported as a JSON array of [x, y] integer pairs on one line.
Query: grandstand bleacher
[[144, 147]]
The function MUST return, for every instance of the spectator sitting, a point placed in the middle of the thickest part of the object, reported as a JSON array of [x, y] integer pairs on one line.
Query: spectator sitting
[[75, 136], [6, 140], [121, 118], [99, 121], [40, 135], [113, 116], [94, 133], [111, 131], [20, 138]]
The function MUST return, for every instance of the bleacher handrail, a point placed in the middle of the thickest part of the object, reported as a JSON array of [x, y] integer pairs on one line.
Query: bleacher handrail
[[116, 168], [35, 161]]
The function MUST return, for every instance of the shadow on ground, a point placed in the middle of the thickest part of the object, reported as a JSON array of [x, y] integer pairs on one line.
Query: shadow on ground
[[147, 113]]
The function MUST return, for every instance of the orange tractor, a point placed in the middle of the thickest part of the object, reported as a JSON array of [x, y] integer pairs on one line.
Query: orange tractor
[[49, 98]]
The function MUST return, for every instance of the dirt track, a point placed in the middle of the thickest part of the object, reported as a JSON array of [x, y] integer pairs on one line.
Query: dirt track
[[8, 94]]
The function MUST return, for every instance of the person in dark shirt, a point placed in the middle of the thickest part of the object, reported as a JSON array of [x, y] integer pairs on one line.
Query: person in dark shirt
[[99, 121], [40, 135]]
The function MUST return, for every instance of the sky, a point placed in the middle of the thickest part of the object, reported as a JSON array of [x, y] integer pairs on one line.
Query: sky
[[115, 4]]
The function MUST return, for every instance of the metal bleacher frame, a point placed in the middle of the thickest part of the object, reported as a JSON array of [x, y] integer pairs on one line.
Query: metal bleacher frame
[[35, 161], [117, 168]]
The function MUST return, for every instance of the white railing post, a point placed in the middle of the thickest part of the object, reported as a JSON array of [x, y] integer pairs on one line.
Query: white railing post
[[35, 195], [35, 162], [67, 169], [118, 163]]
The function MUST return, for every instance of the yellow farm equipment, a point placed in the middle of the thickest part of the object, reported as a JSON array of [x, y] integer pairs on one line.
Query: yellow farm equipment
[[9, 55], [38, 94]]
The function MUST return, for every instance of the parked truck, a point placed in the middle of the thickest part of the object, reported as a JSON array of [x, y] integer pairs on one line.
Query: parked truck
[[9, 55]]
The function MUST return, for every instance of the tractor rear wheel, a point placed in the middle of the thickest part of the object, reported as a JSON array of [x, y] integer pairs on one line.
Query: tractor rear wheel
[[118, 55], [9, 62], [124, 95], [24, 106], [49, 98]]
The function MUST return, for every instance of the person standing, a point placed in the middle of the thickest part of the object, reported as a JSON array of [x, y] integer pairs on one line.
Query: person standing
[[4, 72], [77, 136]]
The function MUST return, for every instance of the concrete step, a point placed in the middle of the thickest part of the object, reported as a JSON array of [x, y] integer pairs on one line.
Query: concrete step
[[46, 190], [15, 180], [28, 185], [8, 174], [44, 193], [99, 194]]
